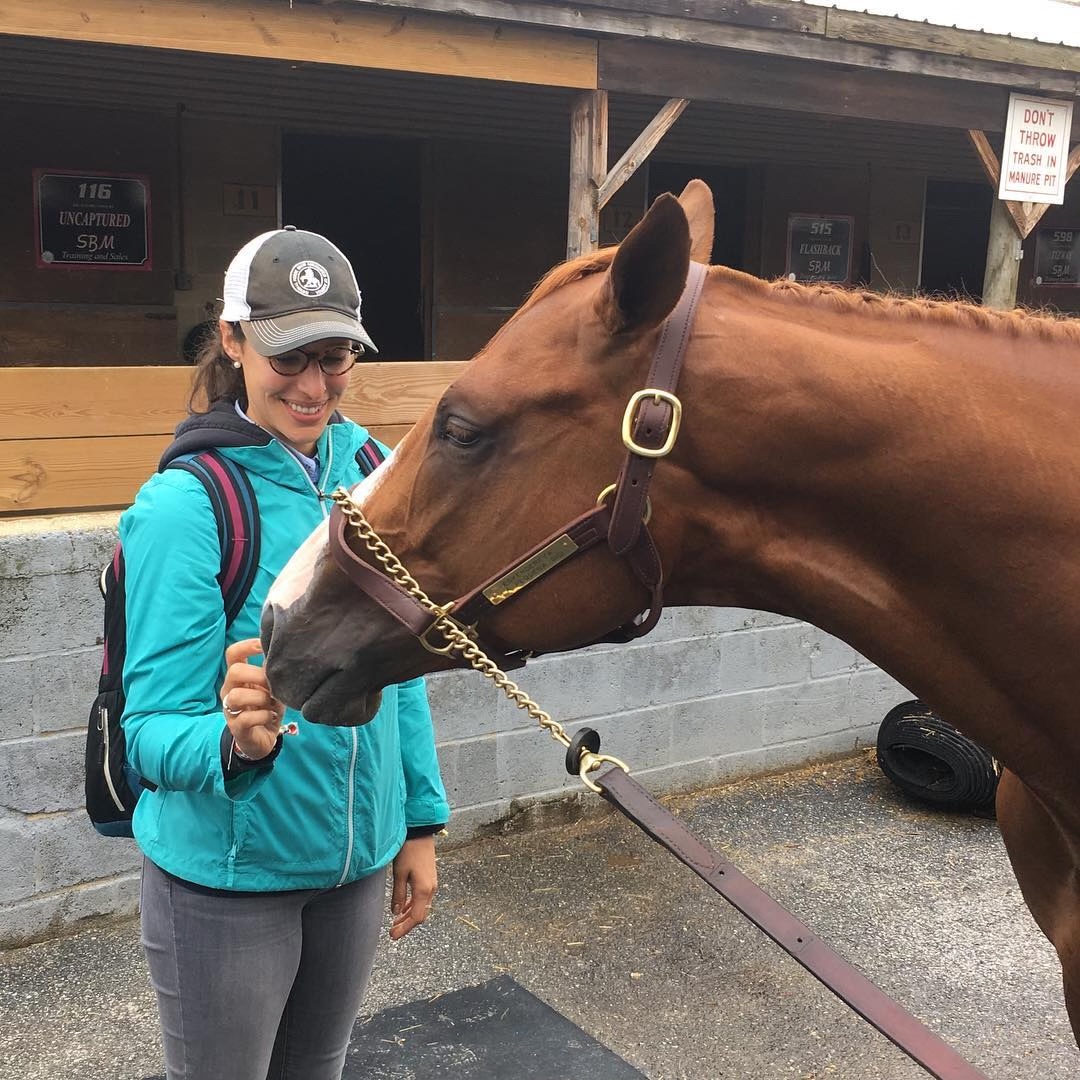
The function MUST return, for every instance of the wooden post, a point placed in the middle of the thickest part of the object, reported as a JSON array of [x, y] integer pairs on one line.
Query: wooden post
[[1003, 255], [641, 148], [588, 169]]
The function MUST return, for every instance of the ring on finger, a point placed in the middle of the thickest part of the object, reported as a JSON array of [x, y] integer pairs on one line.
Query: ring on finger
[[228, 708]]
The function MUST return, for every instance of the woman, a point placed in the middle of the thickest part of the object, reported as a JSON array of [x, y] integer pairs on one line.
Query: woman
[[263, 878]]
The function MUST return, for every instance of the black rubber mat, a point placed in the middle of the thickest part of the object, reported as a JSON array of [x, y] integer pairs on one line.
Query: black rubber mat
[[495, 1031]]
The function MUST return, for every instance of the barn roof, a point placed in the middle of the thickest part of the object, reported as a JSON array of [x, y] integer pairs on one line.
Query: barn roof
[[1055, 22]]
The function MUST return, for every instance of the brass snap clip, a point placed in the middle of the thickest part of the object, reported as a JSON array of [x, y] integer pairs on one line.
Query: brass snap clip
[[583, 757]]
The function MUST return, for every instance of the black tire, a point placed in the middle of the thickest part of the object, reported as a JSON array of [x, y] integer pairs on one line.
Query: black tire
[[932, 761]]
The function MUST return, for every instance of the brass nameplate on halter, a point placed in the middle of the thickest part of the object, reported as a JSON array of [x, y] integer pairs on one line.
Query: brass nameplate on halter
[[535, 567]]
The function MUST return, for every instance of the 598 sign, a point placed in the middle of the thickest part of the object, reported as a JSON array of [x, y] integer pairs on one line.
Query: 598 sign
[[99, 221]]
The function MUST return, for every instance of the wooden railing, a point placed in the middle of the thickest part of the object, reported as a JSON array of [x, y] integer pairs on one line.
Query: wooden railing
[[86, 438]]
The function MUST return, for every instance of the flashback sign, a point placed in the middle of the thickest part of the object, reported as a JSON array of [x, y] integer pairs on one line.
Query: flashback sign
[[819, 248], [1035, 157], [97, 222]]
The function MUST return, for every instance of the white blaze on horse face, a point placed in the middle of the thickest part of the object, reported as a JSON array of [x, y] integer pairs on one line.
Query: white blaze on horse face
[[295, 579]]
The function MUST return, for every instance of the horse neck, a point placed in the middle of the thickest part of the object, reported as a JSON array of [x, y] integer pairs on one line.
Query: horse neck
[[907, 485]]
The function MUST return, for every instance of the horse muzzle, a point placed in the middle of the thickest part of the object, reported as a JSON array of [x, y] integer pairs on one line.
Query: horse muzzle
[[321, 685]]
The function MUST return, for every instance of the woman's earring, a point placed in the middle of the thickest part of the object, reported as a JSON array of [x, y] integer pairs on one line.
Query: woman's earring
[[236, 363]]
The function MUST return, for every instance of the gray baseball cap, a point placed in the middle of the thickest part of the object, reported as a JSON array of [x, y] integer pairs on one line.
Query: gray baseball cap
[[288, 288]]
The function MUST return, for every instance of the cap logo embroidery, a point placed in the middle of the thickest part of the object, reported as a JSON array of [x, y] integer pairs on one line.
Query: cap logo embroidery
[[309, 278]]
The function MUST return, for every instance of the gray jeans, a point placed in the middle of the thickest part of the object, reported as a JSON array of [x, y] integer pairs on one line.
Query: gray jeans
[[263, 987]]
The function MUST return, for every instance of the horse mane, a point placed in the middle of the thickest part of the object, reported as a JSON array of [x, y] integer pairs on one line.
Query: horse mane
[[593, 262], [1047, 325]]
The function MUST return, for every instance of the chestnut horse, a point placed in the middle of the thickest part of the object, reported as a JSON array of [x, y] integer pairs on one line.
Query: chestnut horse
[[904, 474]]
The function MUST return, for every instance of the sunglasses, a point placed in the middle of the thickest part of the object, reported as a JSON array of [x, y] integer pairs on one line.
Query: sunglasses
[[333, 362]]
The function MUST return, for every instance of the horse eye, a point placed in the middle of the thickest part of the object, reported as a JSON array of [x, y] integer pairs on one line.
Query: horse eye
[[458, 432]]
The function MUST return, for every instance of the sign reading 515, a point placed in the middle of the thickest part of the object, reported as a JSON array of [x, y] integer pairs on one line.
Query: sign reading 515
[[819, 247]]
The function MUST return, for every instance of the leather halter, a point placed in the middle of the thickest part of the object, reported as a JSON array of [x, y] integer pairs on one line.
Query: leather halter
[[650, 427]]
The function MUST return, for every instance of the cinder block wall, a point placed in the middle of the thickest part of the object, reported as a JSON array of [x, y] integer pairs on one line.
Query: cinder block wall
[[709, 694]]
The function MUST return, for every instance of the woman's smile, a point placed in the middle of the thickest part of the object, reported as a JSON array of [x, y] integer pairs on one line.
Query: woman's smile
[[304, 410]]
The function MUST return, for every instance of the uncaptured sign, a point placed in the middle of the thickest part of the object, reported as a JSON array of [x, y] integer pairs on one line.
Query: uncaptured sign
[[1034, 161], [99, 222]]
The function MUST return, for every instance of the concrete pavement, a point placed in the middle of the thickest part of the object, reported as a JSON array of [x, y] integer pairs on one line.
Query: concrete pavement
[[602, 925]]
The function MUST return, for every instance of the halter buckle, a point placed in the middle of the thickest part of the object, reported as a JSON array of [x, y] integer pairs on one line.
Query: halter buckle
[[442, 612], [630, 415]]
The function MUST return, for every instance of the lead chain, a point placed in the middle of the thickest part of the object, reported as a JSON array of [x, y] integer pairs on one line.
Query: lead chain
[[457, 638]]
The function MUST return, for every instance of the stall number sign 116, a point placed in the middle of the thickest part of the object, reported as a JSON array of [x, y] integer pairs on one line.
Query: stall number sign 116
[[95, 191]]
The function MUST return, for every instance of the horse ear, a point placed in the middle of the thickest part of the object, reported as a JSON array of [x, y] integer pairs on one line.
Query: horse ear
[[697, 201], [648, 272]]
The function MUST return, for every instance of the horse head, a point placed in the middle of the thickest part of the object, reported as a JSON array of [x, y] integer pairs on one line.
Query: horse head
[[524, 441]]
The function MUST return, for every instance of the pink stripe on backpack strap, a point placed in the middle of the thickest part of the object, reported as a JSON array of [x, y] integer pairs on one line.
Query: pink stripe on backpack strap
[[374, 459], [235, 516]]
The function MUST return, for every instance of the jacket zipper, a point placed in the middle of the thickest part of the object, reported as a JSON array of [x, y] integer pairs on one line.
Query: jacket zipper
[[103, 727], [351, 802], [350, 830], [317, 488]]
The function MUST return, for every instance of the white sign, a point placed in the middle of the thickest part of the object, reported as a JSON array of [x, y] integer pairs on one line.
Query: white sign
[[1036, 152]]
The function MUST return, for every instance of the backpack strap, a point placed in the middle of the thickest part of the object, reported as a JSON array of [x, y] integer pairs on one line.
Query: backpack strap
[[236, 513], [370, 456], [115, 628]]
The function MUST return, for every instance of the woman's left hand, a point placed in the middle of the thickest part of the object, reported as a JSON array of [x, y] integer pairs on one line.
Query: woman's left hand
[[415, 882]]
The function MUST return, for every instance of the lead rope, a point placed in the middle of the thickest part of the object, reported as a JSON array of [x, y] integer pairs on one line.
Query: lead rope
[[619, 788]]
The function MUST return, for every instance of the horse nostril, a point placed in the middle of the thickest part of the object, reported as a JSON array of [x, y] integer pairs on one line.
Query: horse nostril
[[266, 628]]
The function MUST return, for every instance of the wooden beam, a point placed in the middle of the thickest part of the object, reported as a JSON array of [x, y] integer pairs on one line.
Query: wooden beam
[[640, 149], [797, 86], [987, 157], [75, 474], [81, 402], [766, 14], [992, 168], [949, 40], [85, 438], [67, 475], [588, 169], [766, 36], [343, 34]]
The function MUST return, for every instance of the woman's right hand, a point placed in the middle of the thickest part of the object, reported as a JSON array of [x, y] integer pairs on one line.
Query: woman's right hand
[[251, 712]]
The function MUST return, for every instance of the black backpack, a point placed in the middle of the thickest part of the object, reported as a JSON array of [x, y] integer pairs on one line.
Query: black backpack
[[113, 787]]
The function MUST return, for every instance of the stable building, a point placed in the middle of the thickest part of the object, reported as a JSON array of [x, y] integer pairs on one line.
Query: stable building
[[456, 157]]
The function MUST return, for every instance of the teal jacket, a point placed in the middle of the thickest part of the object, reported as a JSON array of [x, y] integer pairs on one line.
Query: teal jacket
[[336, 802]]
